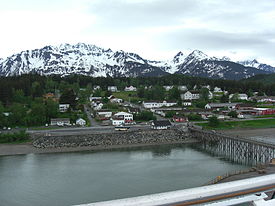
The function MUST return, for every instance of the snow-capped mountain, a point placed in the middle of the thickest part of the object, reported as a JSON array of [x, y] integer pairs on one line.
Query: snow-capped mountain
[[81, 58], [256, 64], [91, 60], [199, 64]]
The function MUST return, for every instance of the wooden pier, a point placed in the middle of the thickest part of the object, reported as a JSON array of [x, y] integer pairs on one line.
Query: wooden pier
[[237, 149]]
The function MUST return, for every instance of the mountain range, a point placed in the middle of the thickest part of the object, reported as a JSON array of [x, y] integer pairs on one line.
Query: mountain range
[[91, 60]]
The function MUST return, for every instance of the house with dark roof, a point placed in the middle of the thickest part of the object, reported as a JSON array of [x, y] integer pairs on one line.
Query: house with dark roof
[[161, 124]]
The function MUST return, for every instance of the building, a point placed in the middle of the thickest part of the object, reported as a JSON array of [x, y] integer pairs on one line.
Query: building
[[112, 88], [217, 90], [239, 96], [167, 88], [161, 124], [187, 103], [127, 117], [180, 119], [60, 122], [264, 99], [190, 95], [64, 107], [96, 87], [158, 104], [104, 114], [220, 105], [130, 89], [116, 100], [92, 98], [80, 122], [182, 88]]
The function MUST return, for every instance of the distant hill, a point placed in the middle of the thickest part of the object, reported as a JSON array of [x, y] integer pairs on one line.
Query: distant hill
[[263, 78]]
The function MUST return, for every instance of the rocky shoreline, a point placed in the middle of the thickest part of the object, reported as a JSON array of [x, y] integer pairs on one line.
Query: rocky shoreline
[[116, 138], [95, 142]]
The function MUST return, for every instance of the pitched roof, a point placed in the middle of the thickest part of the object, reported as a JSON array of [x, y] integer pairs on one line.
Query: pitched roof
[[161, 123]]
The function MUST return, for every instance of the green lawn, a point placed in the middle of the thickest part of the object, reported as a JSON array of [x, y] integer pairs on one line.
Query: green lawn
[[261, 123]]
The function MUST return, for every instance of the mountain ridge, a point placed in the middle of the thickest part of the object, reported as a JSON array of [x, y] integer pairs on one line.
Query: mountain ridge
[[91, 60]]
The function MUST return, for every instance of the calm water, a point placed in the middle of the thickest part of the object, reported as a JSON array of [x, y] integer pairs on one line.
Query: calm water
[[85, 177]]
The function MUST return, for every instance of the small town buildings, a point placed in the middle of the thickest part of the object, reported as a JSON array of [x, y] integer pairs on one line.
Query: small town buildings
[[64, 107], [182, 88], [96, 87], [127, 117], [80, 122], [218, 106], [239, 96], [130, 89], [206, 86], [264, 99], [104, 114], [167, 88], [133, 110], [112, 88], [190, 95], [92, 98], [116, 100], [60, 122], [97, 106], [161, 124], [180, 119], [187, 103], [157, 104], [217, 90]]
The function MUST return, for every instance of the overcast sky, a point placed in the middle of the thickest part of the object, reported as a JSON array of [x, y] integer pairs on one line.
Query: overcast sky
[[155, 29]]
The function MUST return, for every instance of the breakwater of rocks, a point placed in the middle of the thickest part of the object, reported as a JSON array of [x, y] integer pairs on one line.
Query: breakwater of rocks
[[115, 138]]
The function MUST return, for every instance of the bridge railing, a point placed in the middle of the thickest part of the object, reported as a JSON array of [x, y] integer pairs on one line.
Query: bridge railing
[[229, 193]]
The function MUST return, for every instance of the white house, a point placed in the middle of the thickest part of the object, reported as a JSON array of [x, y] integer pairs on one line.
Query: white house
[[104, 114], [112, 88], [217, 90], [97, 106], [240, 96], [80, 122], [167, 88], [187, 103], [206, 86], [127, 117], [130, 89], [60, 122], [182, 88], [64, 107], [92, 98], [161, 124], [96, 87], [220, 105], [157, 104], [190, 95], [116, 100]]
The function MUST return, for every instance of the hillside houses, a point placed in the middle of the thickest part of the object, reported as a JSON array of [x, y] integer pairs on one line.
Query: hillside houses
[[158, 104], [239, 96], [130, 89], [190, 95]]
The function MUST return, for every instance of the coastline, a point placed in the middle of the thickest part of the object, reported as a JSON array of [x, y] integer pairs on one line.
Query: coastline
[[28, 148]]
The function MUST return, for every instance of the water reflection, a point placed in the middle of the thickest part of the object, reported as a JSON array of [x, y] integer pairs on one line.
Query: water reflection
[[84, 177]]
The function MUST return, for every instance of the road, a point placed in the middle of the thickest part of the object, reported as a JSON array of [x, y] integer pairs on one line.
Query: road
[[88, 111], [86, 130]]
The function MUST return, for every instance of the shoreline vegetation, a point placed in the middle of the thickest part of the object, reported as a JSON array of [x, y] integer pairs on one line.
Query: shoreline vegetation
[[14, 138], [245, 124]]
